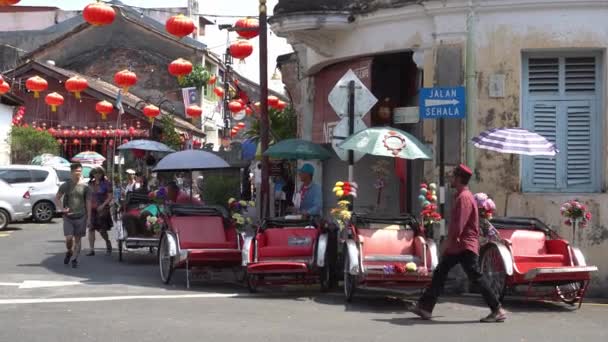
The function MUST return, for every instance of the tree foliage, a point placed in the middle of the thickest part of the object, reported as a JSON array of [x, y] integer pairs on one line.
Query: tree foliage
[[169, 136], [283, 125], [198, 78], [27, 142]]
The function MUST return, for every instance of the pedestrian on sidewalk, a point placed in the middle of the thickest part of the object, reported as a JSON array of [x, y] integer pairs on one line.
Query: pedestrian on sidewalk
[[101, 219], [462, 247], [73, 201]]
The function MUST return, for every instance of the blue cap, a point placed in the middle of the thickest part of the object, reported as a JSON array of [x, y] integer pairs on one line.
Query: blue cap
[[307, 168]]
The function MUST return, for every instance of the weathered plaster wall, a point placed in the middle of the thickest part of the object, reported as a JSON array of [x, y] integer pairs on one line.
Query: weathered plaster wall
[[501, 39]]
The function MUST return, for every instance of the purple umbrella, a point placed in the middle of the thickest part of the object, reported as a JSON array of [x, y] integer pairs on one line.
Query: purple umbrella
[[515, 141]]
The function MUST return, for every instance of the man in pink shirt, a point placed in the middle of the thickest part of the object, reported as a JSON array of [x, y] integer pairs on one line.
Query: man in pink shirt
[[462, 247]]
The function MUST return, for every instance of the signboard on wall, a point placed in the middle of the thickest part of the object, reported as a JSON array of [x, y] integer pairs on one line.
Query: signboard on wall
[[442, 103]]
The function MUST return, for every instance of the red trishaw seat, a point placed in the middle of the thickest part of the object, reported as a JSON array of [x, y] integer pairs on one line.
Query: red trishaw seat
[[390, 245], [530, 250], [203, 232], [286, 243]]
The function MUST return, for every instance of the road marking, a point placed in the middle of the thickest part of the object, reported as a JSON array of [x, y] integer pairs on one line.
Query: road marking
[[5, 234], [34, 284], [115, 298]]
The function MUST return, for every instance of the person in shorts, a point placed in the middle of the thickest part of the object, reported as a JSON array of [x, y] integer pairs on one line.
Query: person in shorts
[[73, 201]]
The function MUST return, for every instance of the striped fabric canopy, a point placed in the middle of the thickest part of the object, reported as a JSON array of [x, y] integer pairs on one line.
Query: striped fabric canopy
[[515, 141]]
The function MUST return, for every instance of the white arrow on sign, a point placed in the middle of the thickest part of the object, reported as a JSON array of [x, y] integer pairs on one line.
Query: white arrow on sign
[[33, 284], [431, 103]]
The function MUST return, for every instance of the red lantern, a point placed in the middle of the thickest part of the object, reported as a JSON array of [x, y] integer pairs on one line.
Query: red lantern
[[125, 79], [60, 141], [235, 106], [8, 2], [281, 105], [247, 28], [54, 100], [93, 142], [76, 85], [92, 132], [273, 101], [194, 111], [81, 133], [180, 26], [241, 49], [151, 112], [99, 14], [75, 141], [132, 131], [104, 108], [180, 68], [4, 87], [248, 111], [124, 141], [66, 132], [52, 131], [110, 142], [36, 84], [240, 125], [219, 92], [212, 80]]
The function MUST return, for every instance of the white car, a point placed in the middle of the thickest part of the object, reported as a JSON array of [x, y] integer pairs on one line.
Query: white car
[[14, 205], [42, 182]]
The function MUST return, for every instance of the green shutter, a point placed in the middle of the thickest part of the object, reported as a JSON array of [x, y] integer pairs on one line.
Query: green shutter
[[579, 153], [544, 169]]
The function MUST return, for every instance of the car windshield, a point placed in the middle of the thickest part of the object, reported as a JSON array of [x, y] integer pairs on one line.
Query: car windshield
[[64, 175]]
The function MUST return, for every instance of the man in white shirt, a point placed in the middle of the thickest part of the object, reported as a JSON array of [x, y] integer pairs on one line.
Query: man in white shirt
[[130, 180]]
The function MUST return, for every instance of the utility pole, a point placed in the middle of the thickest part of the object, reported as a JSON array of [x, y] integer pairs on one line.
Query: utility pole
[[264, 122]]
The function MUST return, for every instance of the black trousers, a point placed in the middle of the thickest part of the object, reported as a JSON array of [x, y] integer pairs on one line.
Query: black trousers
[[470, 263]]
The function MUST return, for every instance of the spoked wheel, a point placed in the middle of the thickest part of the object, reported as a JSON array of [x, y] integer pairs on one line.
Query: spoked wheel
[[165, 261], [493, 267], [120, 248], [570, 293], [253, 281], [349, 281]]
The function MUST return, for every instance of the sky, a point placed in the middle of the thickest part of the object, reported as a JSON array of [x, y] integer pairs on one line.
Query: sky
[[215, 40]]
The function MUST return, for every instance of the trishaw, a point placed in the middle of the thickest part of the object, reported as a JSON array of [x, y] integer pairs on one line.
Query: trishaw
[[132, 233], [287, 251], [382, 253], [524, 252], [197, 237]]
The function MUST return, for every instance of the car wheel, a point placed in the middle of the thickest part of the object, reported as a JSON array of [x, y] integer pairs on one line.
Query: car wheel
[[43, 212], [5, 219]]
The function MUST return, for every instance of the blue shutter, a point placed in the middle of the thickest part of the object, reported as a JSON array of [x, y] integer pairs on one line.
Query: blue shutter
[[544, 122], [579, 150]]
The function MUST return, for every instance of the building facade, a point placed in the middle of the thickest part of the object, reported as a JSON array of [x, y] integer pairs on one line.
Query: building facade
[[536, 64]]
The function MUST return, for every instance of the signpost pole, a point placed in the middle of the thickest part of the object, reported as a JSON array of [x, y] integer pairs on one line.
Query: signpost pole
[[442, 167], [351, 128]]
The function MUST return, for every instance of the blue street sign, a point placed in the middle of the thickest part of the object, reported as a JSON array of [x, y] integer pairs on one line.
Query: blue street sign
[[442, 103]]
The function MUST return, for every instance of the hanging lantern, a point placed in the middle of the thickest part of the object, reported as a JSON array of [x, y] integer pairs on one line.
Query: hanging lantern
[[104, 108], [52, 131], [54, 100], [124, 141], [212, 80], [81, 133], [273, 101], [241, 49], [151, 112], [194, 111], [219, 92], [248, 111], [235, 106], [110, 142], [99, 14], [36, 84], [60, 141], [93, 142], [125, 79], [132, 131], [180, 25], [180, 68], [247, 28], [75, 141], [281, 105], [241, 125], [4, 87], [92, 132], [8, 2], [76, 85]]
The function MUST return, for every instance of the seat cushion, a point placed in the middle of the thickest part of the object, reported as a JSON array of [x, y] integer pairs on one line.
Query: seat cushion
[[287, 242], [544, 258], [528, 242], [199, 232], [387, 241]]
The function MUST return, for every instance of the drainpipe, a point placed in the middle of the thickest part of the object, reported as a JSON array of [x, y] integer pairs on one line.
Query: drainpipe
[[471, 87]]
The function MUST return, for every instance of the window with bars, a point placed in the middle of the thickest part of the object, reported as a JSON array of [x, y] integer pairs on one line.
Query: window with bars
[[561, 97]]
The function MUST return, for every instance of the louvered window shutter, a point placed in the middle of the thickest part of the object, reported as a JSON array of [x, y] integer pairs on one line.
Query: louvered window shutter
[[543, 75], [542, 172], [579, 168]]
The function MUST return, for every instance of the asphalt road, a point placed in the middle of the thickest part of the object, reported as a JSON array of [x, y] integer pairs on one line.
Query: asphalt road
[[103, 300]]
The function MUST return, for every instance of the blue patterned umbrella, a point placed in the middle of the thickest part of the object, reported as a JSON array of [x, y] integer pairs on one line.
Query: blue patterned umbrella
[[515, 141]]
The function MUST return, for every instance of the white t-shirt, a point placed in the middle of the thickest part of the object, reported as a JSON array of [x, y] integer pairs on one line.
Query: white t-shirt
[[257, 176]]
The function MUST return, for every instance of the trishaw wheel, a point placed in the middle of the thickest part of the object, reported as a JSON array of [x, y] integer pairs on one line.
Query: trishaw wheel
[[120, 247], [325, 278], [349, 281], [570, 293], [493, 267], [252, 282], [165, 261]]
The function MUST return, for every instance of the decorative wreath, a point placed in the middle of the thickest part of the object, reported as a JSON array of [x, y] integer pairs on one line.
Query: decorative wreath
[[394, 142]]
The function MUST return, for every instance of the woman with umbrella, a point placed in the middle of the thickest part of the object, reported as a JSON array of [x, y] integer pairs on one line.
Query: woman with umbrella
[[101, 219]]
